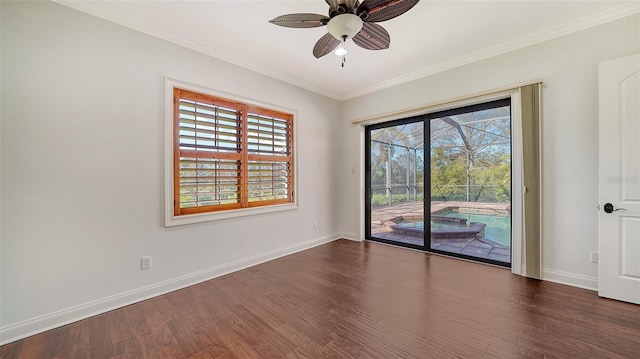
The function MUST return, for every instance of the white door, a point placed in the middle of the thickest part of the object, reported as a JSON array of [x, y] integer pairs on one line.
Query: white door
[[619, 179]]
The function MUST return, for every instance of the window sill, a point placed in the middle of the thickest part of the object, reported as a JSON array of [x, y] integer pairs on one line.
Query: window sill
[[172, 221]]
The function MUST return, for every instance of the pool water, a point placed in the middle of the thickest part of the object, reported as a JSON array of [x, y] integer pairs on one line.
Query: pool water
[[498, 227]]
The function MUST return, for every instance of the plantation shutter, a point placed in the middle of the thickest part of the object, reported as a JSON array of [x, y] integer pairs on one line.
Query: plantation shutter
[[228, 155], [270, 165], [208, 154]]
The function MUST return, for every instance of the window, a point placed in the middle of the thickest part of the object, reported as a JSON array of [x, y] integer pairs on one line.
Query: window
[[229, 155]]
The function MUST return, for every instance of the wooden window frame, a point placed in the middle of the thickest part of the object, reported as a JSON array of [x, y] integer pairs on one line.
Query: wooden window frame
[[248, 111]]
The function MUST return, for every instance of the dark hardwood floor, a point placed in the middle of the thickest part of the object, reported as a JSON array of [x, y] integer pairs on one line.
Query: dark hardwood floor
[[355, 300]]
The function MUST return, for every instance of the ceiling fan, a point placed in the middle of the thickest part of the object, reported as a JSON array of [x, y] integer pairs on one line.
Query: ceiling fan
[[350, 19]]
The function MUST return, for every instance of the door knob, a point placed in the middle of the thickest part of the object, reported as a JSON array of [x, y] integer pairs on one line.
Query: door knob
[[608, 208]]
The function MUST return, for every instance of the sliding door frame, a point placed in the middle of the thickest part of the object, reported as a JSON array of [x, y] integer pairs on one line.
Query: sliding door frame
[[505, 100]]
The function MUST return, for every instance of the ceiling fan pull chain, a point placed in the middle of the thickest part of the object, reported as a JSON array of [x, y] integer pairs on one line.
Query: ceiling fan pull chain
[[344, 49], [344, 55]]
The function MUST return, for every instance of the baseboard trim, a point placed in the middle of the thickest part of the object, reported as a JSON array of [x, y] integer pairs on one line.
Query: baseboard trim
[[350, 236], [572, 279], [57, 319]]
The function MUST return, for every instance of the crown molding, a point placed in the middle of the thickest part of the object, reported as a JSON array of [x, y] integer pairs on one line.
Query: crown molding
[[526, 41], [103, 11], [99, 9]]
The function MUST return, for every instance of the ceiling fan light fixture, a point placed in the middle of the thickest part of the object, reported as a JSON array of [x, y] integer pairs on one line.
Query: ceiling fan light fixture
[[341, 51], [344, 25]]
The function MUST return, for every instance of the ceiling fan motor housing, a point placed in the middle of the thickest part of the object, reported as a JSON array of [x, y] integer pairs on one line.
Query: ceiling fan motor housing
[[342, 25]]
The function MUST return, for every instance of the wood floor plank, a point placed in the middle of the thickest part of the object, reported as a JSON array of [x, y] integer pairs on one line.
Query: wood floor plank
[[133, 314], [99, 337], [56, 342], [166, 308], [237, 345], [156, 341], [11, 350], [126, 349], [118, 326], [347, 300], [204, 354], [305, 346], [188, 310], [217, 348], [253, 325], [217, 352], [262, 346], [191, 342], [78, 347], [33, 347]]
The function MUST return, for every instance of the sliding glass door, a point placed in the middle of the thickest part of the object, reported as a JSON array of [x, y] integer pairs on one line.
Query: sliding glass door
[[466, 182], [395, 179]]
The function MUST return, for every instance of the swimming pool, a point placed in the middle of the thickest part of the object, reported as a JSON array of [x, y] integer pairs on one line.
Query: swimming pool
[[498, 227]]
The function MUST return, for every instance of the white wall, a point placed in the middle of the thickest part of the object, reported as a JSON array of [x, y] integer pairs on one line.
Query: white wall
[[82, 190], [569, 68]]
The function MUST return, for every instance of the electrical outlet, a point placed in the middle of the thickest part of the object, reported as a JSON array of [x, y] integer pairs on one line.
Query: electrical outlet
[[595, 257], [145, 262], [315, 225]]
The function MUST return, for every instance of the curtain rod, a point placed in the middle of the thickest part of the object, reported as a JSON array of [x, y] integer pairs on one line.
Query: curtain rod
[[408, 112]]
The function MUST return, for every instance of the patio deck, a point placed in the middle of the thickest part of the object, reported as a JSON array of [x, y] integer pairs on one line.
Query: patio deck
[[477, 247]]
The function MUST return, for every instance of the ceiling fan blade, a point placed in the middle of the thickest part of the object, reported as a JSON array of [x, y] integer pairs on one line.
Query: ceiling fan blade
[[325, 45], [382, 10], [300, 20], [342, 6], [372, 37]]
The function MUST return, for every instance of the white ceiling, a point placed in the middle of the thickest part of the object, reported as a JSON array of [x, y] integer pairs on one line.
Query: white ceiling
[[433, 36]]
